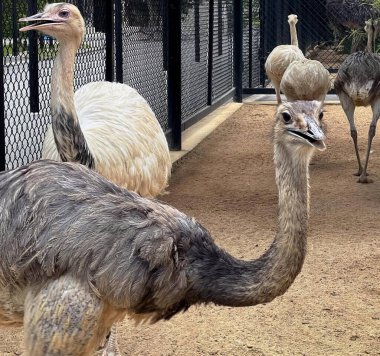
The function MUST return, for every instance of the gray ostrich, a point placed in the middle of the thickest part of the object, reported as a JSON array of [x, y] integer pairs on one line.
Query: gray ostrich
[[358, 84], [349, 14], [78, 253]]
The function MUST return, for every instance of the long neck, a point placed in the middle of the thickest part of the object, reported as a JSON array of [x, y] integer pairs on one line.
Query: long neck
[[293, 34], [370, 42], [69, 139], [225, 280]]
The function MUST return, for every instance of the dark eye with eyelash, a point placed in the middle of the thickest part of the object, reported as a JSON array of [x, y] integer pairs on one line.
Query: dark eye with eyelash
[[64, 13], [286, 117], [321, 116]]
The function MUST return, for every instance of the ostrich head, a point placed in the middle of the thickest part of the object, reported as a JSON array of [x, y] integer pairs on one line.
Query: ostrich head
[[61, 21], [299, 128], [292, 19]]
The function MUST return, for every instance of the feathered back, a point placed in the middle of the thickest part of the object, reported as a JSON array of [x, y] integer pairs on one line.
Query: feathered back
[[279, 60], [359, 77], [64, 219], [305, 79], [129, 146]]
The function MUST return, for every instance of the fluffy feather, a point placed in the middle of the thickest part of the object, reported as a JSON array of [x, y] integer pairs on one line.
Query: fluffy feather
[[123, 135], [305, 79]]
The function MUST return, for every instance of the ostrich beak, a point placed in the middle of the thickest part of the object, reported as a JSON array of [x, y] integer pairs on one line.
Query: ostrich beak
[[39, 20], [314, 135]]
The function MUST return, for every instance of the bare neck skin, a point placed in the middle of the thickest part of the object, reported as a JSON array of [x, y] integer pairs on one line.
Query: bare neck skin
[[293, 34], [69, 138], [246, 283]]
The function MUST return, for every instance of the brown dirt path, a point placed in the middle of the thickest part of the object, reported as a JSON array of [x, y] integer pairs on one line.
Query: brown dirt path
[[227, 183]]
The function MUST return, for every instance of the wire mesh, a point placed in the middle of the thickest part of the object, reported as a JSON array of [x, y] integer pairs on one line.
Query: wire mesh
[[143, 52], [251, 43], [222, 78], [207, 72], [194, 46], [328, 30], [25, 124]]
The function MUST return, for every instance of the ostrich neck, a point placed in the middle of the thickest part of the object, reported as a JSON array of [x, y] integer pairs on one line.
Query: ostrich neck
[[293, 35], [69, 139], [370, 42], [243, 283]]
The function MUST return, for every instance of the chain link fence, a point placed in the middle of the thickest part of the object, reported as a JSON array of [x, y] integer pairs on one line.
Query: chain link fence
[[138, 46], [27, 65], [328, 30]]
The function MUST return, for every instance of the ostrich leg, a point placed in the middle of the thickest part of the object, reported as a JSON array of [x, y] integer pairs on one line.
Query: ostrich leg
[[371, 134], [111, 348], [349, 109], [62, 318]]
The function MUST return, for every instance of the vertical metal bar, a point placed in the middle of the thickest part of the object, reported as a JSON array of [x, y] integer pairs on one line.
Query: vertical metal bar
[[197, 36], [174, 72], [14, 29], [164, 13], [263, 41], [33, 61], [210, 51], [109, 27], [220, 27], [2, 96], [119, 41], [238, 50], [250, 43]]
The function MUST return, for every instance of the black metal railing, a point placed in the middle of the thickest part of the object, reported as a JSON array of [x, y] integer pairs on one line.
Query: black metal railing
[[182, 56]]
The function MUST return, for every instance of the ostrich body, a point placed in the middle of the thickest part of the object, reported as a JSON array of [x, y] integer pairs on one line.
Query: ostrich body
[[86, 253], [358, 84], [106, 126], [305, 79], [281, 57], [343, 14]]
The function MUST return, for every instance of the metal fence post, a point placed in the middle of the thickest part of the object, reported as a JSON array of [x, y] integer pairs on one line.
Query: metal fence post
[[250, 42], [109, 27], [119, 41], [174, 72], [33, 61], [238, 50], [14, 29], [210, 51], [2, 96], [197, 36]]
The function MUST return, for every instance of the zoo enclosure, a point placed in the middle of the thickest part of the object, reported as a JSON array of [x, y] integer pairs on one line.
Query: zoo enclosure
[[179, 55], [184, 56]]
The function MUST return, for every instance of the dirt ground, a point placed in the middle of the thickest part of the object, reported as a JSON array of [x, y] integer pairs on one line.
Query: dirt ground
[[227, 183]]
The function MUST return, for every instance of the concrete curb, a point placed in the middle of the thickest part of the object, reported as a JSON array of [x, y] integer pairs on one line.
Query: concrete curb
[[199, 131]]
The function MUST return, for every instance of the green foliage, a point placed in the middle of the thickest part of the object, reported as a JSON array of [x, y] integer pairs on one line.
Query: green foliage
[[376, 4], [21, 11]]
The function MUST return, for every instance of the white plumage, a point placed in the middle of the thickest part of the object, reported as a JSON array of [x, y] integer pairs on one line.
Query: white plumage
[[305, 79], [107, 126], [123, 135], [281, 57]]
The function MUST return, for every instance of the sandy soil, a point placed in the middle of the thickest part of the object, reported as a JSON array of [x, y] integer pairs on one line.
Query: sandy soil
[[227, 183]]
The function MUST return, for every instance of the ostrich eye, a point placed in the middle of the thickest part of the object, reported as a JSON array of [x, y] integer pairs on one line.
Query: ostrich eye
[[64, 13], [321, 116], [286, 117]]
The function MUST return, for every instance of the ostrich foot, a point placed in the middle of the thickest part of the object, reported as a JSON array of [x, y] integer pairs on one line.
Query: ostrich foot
[[359, 173], [111, 348], [363, 179]]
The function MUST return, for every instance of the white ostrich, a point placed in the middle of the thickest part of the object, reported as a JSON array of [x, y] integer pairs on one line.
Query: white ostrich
[[78, 253], [305, 79], [281, 57], [106, 126]]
